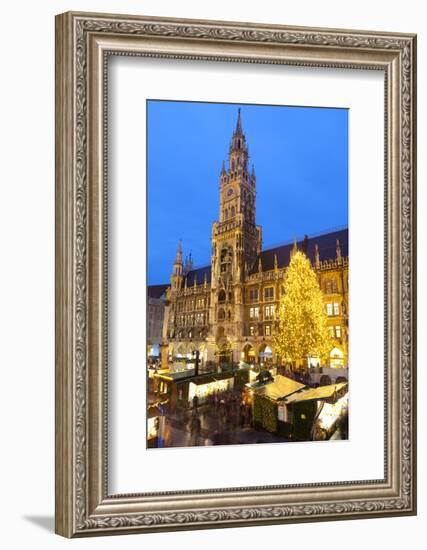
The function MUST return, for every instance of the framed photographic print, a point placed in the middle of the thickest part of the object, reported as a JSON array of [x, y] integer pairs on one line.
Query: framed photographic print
[[235, 274]]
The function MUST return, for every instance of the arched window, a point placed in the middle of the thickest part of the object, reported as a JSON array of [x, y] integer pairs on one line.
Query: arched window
[[226, 213], [221, 314], [221, 296], [233, 212]]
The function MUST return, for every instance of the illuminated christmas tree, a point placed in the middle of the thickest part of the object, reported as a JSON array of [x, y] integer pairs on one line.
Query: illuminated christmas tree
[[303, 330]]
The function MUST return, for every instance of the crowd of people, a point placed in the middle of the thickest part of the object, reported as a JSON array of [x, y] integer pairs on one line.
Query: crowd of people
[[220, 412]]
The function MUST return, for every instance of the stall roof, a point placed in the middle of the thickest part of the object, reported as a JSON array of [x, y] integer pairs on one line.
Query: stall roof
[[279, 388], [179, 375], [189, 375], [211, 377], [322, 392]]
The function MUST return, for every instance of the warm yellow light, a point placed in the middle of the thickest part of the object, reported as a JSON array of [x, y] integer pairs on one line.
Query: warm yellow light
[[152, 427], [332, 411], [303, 323]]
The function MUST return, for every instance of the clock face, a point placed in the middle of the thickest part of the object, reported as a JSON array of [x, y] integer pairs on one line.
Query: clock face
[[230, 192]]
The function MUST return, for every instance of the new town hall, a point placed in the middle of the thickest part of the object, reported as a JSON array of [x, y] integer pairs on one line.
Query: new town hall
[[228, 310]]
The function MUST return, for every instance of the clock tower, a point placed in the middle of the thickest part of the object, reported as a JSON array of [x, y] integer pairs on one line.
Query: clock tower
[[236, 242]]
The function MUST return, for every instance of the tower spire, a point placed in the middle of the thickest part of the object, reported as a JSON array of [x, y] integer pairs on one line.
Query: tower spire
[[176, 277], [239, 123], [178, 257], [238, 147]]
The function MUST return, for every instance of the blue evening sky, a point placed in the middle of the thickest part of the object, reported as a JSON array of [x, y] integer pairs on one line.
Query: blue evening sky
[[301, 163]]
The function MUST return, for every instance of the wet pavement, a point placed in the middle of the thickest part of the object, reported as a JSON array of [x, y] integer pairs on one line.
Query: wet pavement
[[210, 425]]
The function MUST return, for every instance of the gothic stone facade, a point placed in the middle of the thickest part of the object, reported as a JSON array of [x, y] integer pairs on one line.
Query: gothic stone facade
[[228, 310], [156, 297]]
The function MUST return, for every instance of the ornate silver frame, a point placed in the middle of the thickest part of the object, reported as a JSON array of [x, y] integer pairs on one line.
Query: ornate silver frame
[[83, 505]]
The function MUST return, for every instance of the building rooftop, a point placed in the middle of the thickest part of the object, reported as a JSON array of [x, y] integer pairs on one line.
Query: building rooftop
[[326, 244], [199, 274], [156, 291]]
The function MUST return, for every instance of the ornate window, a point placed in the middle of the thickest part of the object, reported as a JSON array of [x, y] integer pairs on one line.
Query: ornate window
[[269, 311], [221, 296], [330, 286], [253, 295], [226, 259], [269, 293], [254, 313]]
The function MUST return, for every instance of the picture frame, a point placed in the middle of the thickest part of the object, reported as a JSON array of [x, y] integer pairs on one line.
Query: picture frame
[[84, 506]]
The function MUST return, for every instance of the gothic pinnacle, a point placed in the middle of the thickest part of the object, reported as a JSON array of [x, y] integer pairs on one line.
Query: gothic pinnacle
[[178, 257], [239, 123]]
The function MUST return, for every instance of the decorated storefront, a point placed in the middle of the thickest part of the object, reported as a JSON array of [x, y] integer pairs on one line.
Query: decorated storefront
[[314, 413], [266, 394], [182, 387], [203, 387]]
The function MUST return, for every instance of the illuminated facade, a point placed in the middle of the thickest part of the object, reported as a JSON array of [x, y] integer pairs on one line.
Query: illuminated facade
[[228, 310]]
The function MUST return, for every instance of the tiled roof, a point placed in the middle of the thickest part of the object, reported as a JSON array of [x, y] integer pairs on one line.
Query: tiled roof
[[325, 242], [199, 274], [327, 251], [156, 291]]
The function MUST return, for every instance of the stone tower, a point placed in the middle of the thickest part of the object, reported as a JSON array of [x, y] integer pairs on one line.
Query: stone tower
[[236, 242], [177, 273]]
